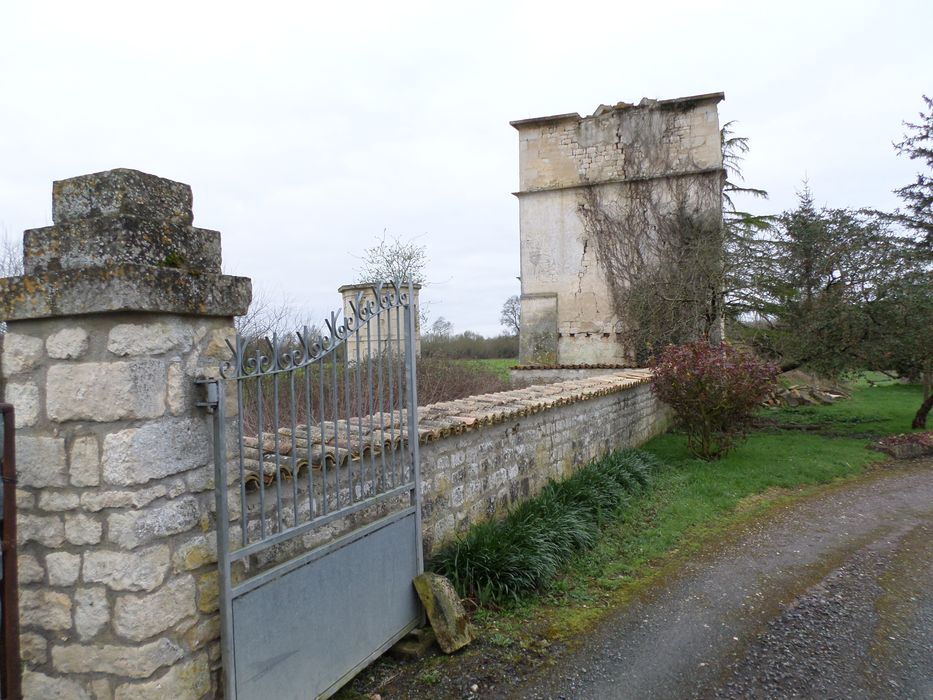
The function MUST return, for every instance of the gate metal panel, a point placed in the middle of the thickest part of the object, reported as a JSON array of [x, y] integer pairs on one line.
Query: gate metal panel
[[317, 556]]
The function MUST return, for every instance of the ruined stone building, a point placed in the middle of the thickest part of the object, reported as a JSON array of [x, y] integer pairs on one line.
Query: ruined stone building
[[662, 158]]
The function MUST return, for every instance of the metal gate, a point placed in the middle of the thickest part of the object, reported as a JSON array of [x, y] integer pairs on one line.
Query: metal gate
[[319, 502]]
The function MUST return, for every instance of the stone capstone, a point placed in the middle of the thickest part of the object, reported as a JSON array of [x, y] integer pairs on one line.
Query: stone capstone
[[191, 679], [40, 461], [67, 344], [133, 528], [126, 287], [106, 391], [137, 661], [138, 617], [121, 191], [92, 611], [127, 571], [115, 240], [445, 612], [20, 353], [155, 450]]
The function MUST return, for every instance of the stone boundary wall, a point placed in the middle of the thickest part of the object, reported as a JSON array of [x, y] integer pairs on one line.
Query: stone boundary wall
[[477, 474]]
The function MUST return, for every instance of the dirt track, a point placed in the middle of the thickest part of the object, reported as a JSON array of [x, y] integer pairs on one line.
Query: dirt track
[[831, 597]]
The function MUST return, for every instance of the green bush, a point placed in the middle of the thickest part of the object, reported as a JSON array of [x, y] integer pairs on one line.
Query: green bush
[[501, 561]]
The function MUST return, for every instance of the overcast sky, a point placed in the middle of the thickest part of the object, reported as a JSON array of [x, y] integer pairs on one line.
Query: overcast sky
[[306, 129]]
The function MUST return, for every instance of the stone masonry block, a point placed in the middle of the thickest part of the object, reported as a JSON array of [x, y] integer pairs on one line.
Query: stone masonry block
[[84, 461], [48, 531], [133, 528], [49, 610], [155, 450], [106, 391], [67, 344], [25, 400], [143, 570], [116, 240], [138, 617], [137, 661], [81, 529], [63, 568], [92, 611], [20, 353], [121, 192], [148, 338], [38, 685], [125, 287], [191, 679]]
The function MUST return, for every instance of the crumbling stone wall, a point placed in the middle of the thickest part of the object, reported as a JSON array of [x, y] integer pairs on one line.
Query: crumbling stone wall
[[122, 306], [665, 152]]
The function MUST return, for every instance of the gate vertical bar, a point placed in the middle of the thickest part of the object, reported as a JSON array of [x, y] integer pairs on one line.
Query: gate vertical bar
[[216, 407], [9, 607], [411, 360]]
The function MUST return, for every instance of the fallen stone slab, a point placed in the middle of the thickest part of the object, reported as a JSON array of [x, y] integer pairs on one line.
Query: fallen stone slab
[[445, 612]]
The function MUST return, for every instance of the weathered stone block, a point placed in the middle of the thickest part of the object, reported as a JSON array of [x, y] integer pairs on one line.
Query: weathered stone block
[[115, 240], [134, 528], [48, 531], [137, 661], [20, 353], [28, 569], [49, 610], [148, 338], [33, 648], [155, 450], [123, 288], [25, 400], [208, 592], [106, 391], [199, 551], [63, 568], [57, 500], [67, 344], [127, 571], [40, 461], [84, 461], [445, 611], [92, 611], [189, 680], [82, 529], [98, 500], [205, 630], [38, 685], [138, 617], [121, 191]]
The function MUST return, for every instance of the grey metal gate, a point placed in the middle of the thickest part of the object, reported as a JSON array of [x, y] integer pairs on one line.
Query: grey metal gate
[[319, 504]]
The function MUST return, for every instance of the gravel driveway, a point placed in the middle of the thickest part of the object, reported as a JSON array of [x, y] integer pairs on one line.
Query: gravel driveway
[[832, 597]]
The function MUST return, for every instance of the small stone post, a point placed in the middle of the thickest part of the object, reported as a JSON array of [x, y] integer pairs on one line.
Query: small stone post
[[122, 306]]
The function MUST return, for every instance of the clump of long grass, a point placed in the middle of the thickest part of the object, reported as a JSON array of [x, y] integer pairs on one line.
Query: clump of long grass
[[501, 561]]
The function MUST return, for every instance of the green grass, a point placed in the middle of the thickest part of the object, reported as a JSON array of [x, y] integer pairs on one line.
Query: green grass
[[499, 366]]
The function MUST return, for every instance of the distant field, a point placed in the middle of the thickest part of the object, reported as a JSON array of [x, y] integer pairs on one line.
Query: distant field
[[499, 366]]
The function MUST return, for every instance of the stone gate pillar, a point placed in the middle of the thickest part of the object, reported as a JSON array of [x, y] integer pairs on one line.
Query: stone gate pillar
[[121, 307]]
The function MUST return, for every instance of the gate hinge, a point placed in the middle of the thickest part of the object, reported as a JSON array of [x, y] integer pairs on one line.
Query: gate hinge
[[211, 394]]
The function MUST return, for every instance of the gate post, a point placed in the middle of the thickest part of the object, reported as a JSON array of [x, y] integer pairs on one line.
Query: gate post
[[122, 306]]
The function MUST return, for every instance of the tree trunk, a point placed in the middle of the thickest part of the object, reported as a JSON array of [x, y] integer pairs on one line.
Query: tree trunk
[[920, 420]]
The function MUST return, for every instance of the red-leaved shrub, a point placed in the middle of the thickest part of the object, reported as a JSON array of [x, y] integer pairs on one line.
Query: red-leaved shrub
[[714, 391]]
